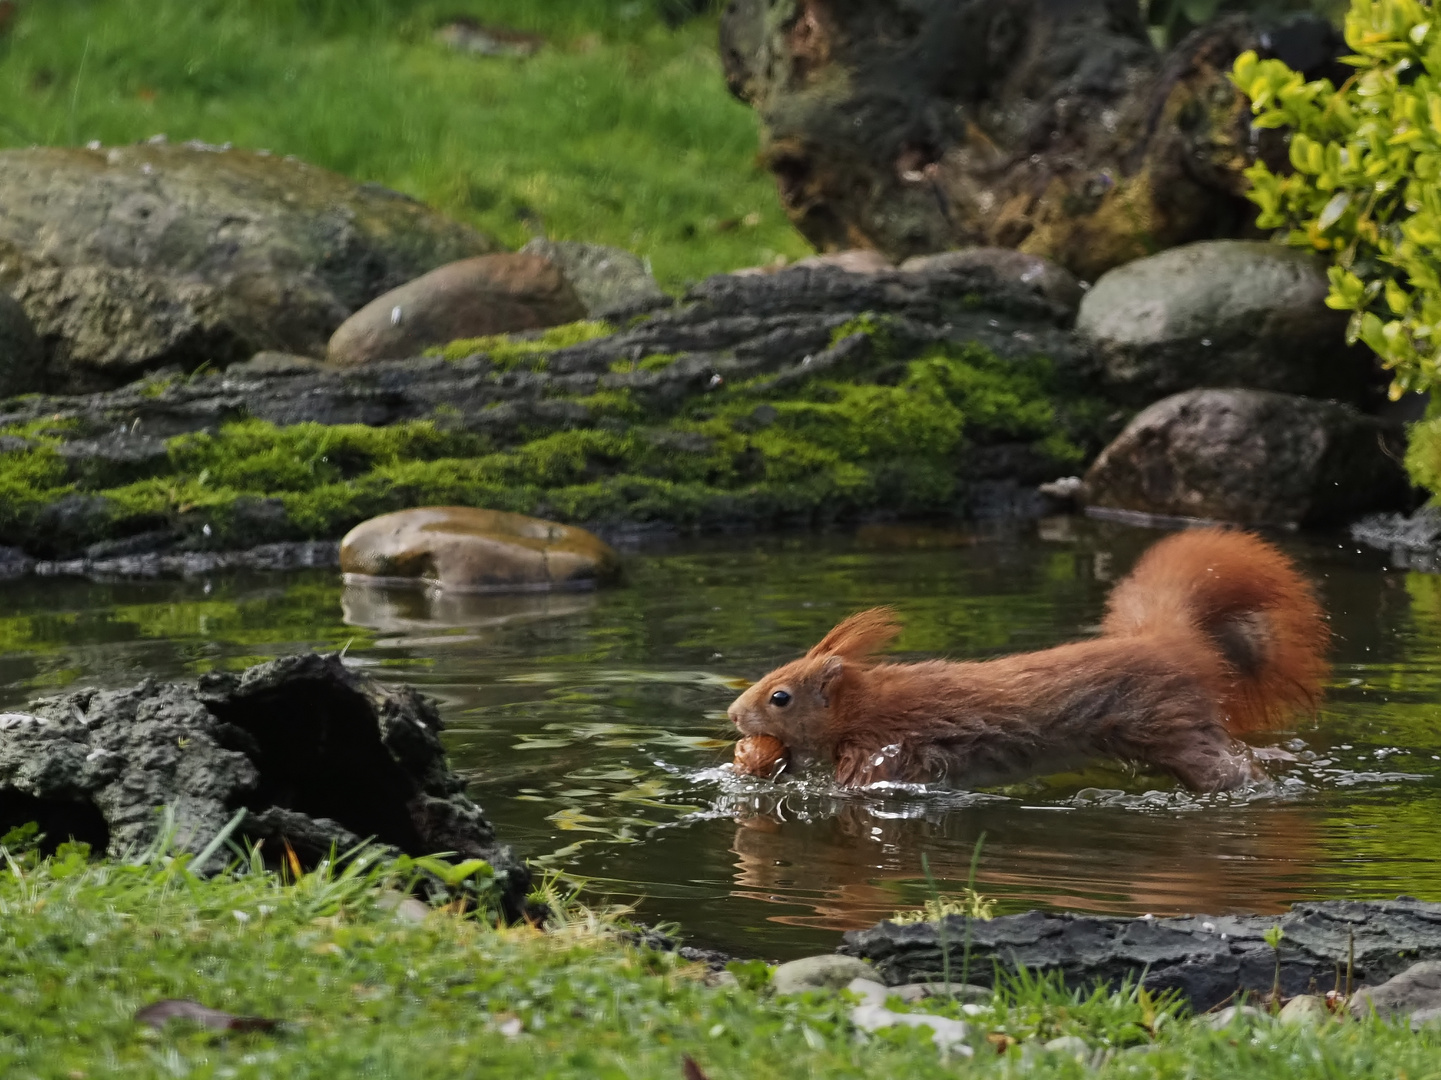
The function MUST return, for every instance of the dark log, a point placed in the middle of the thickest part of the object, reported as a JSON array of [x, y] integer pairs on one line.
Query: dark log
[[1052, 126], [1209, 960]]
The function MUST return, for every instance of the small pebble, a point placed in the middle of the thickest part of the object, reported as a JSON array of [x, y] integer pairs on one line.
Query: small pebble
[[948, 1035], [1227, 1016], [1304, 1010]]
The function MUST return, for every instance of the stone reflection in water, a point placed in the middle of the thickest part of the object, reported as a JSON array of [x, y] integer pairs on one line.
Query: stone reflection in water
[[401, 610], [856, 861]]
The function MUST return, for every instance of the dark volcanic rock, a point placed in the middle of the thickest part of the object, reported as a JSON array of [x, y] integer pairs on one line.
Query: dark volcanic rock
[[996, 271], [317, 754], [148, 555], [130, 258], [1412, 541], [731, 326], [1251, 457], [1208, 959]]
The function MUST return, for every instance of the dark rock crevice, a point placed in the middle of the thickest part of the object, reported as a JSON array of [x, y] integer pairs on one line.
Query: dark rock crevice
[[321, 757], [59, 819]]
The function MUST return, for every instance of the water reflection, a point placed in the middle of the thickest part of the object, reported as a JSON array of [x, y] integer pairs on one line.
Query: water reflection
[[419, 613], [591, 725]]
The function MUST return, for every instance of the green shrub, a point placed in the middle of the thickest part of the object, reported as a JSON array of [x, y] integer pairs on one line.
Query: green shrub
[[1366, 160]]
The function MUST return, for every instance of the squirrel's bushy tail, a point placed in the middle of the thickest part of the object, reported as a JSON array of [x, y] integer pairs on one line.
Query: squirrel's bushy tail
[[1249, 603]]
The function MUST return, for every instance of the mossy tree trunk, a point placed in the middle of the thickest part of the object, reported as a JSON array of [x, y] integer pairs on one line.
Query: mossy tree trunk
[[1052, 126]]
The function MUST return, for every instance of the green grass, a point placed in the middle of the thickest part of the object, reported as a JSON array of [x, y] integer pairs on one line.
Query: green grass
[[363, 990], [620, 131]]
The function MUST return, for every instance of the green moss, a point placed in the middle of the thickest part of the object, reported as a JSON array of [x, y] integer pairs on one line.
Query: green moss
[[658, 362], [155, 386], [894, 435], [868, 323], [510, 351]]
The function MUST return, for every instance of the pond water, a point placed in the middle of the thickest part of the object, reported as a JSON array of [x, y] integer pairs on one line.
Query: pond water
[[592, 726]]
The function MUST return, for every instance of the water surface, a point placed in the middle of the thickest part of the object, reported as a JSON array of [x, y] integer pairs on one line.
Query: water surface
[[592, 726]]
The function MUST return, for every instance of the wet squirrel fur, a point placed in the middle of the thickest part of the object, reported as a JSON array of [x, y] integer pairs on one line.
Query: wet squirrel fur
[[1213, 635]]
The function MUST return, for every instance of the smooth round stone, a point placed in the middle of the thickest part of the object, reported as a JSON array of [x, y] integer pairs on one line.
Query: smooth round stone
[[489, 294], [830, 971], [466, 549], [1233, 313]]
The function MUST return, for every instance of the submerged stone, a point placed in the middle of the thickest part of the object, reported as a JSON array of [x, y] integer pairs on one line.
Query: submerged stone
[[467, 549]]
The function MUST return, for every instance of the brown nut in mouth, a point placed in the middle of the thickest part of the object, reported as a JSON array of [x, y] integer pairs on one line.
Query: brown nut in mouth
[[761, 755]]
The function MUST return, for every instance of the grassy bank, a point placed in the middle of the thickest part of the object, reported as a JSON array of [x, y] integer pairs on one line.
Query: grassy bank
[[363, 986], [619, 130]]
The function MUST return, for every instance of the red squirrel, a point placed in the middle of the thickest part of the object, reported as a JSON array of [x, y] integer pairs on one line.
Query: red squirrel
[[1213, 635]]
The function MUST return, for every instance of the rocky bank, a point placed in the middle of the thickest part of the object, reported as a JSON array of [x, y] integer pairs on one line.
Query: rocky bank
[[267, 356]]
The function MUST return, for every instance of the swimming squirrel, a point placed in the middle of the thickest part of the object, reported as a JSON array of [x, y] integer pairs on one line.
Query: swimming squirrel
[[1213, 635]]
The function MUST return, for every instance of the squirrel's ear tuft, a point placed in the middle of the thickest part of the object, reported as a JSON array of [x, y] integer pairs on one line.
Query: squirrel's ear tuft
[[859, 636]]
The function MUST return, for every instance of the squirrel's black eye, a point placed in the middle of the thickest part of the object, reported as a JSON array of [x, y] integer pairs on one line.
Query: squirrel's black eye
[[780, 699]]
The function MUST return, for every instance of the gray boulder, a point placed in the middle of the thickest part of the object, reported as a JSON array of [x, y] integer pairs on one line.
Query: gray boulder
[[1224, 313], [132, 258], [21, 358], [611, 282], [317, 754], [1415, 990], [1252, 457]]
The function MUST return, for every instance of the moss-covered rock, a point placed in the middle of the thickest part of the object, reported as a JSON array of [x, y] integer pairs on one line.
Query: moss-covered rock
[[762, 402]]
